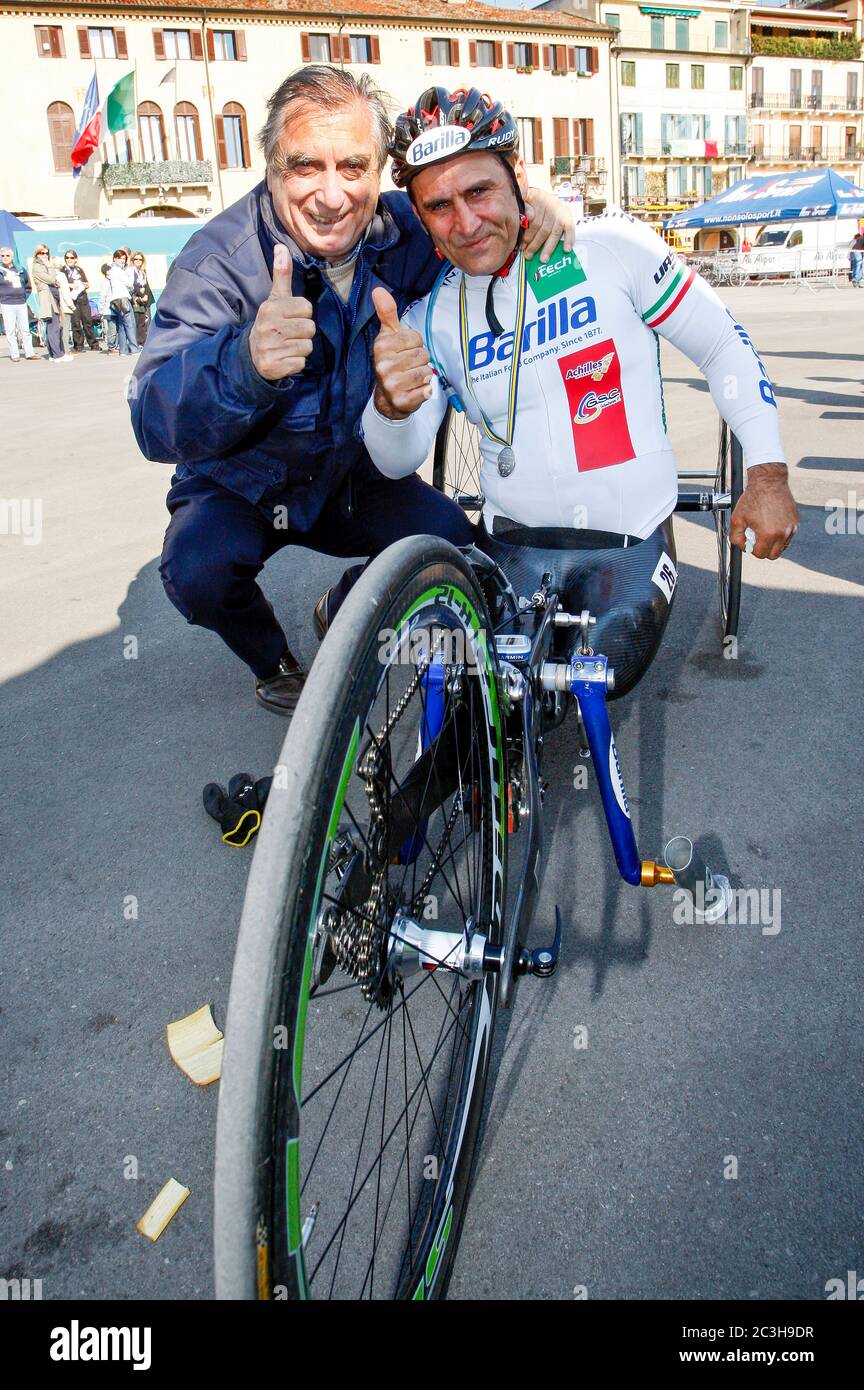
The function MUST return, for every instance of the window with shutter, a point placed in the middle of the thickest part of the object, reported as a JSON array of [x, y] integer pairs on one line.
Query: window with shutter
[[538, 139], [511, 55], [61, 131], [187, 131], [83, 43], [120, 43], [235, 136], [240, 45], [196, 46], [525, 125], [305, 49], [427, 52], [158, 45], [319, 48], [376, 49], [177, 43], [499, 55], [454, 53], [560, 136], [221, 147], [535, 55], [359, 48], [151, 133], [484, 53], [210, 40], [49, 41], [547, 56]]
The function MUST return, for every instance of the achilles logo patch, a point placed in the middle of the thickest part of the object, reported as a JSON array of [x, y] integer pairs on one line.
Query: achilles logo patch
[[665, 576]]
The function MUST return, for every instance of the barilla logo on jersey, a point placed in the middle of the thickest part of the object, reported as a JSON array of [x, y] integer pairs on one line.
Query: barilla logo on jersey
[[601, 435], [447, 140], [595, 369], [554, 320]]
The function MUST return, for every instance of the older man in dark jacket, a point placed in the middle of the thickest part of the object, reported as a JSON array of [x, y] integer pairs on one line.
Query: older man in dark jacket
[[258, 365]]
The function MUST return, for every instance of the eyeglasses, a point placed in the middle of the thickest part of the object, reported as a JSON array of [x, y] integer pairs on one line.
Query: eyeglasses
[[70, 258]]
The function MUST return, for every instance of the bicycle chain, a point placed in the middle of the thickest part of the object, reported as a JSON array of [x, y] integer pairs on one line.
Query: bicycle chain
[[355, 945]]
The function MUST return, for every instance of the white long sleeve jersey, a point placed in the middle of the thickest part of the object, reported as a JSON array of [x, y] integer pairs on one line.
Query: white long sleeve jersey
[[590, 426]]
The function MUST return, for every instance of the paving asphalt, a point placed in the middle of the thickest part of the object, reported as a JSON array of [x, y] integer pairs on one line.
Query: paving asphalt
[[602, 1166]]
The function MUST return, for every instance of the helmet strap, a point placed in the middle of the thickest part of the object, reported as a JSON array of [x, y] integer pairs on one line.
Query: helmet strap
[[504, 270]]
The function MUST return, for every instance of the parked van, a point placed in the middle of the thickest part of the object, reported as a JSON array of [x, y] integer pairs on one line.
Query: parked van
[[787, 248]]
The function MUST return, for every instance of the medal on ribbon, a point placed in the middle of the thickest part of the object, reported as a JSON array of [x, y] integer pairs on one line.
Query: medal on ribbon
[[506, 454]]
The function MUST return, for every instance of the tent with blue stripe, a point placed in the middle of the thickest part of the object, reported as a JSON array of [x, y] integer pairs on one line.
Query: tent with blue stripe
[[790, 197]]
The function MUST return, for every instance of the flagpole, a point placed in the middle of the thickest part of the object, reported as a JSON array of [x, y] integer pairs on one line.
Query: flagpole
[[212, 116]]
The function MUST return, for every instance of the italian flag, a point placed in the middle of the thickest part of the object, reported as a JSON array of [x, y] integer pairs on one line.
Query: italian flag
[[671, 297], [117, 113]]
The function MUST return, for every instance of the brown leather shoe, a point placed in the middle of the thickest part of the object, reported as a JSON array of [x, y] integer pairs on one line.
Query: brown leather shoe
[[281, 691], [320, 618]]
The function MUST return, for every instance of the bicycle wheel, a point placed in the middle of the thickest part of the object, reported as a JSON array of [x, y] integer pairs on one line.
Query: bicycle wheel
[[456, 463], [728, 480], [355, 1058]]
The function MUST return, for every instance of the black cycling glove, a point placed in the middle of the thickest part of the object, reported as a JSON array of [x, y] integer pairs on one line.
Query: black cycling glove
[[237, 810]]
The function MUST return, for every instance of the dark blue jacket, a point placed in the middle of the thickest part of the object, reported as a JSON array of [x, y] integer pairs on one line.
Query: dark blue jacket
[[8, 292], [199, 401]]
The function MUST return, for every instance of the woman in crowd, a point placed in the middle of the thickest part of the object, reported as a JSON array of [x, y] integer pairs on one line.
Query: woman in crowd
[[142, 295], [47, 292]]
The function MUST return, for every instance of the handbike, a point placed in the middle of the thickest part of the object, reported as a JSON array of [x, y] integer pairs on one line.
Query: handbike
[[456, 472], [382, 931]]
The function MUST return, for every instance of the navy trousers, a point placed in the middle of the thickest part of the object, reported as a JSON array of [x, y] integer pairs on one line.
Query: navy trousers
[[217, 543]]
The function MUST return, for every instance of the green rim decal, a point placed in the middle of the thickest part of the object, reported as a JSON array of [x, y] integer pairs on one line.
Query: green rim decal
[[450, 595]]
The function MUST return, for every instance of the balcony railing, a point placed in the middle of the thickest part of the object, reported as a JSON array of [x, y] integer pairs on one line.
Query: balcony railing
[[808, 154], [590, 168], [699, 41], [168, 173], [802, 101], [662, 149]]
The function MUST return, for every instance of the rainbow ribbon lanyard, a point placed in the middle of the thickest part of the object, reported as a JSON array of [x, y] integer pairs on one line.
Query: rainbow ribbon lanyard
[[515, 363]]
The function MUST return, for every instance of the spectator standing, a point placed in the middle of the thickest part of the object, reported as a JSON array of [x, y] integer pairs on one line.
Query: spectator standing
[[82, 319], [14, 289], [746, 245], [142, 295], [856, 260], [106, 318], [120, 281], [67, 307], [46, 290]]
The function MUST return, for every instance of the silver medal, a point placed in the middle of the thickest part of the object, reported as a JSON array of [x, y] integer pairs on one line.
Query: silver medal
[[506, 461]]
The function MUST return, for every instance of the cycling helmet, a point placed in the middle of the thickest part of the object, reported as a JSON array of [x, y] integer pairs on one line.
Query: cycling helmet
[[442, 124]]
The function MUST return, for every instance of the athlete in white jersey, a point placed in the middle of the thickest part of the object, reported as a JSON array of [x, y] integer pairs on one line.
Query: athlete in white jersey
[[557, 365]]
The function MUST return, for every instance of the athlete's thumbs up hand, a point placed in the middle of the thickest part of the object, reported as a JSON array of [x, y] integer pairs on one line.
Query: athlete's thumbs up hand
[[281, 337], [403, 375]]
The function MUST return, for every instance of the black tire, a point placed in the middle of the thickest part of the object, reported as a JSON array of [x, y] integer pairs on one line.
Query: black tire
[[729, 478], [456, 464], [269, 1095]]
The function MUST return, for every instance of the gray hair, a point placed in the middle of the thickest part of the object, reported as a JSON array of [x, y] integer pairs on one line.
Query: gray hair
[[320, 85], [6, 248]]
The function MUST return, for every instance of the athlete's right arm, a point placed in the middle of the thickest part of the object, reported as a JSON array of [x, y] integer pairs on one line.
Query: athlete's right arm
[[402, 416]]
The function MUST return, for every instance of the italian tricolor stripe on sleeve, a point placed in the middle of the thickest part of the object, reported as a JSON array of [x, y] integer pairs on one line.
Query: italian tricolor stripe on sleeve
[[670, 298]]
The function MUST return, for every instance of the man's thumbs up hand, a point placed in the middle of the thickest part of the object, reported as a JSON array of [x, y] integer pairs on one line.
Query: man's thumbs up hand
[[385, 307], [281, 337], [403, 375]]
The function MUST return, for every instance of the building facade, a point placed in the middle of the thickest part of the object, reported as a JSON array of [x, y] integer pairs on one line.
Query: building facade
[[203, 76], [805, 89], [710, 93]]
